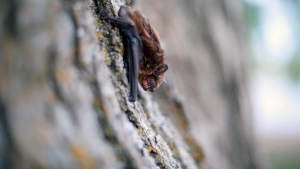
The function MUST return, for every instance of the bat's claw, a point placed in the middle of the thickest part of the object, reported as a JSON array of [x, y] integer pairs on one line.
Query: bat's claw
[[104, 14], [131, 98]]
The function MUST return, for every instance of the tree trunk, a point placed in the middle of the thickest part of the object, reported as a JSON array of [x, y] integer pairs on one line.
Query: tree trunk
[[63, 91], [205, 48]]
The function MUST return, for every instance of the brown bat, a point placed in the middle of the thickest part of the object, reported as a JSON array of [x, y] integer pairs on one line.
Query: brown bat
[[144, 57]]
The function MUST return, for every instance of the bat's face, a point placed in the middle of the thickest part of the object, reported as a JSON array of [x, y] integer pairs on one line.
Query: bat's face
[[153, 79]]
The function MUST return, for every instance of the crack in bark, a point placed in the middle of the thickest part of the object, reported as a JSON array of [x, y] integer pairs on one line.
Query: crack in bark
[[10, 18], [56, 87], [6, 154]]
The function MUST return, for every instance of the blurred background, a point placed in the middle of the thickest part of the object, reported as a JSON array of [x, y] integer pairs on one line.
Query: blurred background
[[254, 42], [273, 34], [233, 89]]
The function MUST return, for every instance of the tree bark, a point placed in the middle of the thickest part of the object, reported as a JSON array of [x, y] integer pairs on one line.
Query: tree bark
[[64, 104], [205, 49]]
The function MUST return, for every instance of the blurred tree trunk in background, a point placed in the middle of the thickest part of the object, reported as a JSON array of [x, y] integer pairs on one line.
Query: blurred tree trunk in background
[[63, 94], [205, 49]]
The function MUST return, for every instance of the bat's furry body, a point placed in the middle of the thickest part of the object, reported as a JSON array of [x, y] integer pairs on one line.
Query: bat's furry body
[[141, 45], [153, 62]]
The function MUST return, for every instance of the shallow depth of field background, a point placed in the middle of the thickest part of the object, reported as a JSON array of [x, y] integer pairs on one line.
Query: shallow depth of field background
[[274, 43], [217, 62]]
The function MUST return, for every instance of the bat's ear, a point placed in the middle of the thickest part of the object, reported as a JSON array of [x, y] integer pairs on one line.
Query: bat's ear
[[161, 70]]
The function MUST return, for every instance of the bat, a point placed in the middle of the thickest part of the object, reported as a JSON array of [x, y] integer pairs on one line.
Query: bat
[[144, 56]]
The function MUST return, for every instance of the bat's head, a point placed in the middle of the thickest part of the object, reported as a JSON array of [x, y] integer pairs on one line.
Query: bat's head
[[152, 80]]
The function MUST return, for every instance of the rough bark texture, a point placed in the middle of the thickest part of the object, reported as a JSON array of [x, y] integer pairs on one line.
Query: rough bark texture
[[63, 93], [205, 48]]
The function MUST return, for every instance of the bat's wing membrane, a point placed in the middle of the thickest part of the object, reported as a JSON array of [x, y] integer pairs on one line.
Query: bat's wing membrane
[[134, 63]]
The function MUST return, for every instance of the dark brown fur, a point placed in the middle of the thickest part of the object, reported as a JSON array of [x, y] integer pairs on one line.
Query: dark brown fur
[[152, 53]]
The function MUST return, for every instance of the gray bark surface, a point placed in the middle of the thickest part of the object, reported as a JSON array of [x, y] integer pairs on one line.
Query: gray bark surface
[[205, 49], [64, 104]]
